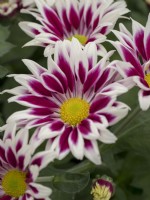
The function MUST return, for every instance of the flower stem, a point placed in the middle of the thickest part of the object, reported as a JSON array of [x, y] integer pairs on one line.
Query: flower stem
[[82, 167], [44, 179]]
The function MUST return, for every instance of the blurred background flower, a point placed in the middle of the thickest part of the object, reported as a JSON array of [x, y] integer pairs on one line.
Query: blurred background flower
[[10, 7]]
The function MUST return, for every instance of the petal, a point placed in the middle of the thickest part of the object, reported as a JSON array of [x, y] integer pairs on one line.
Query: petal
[[144, 99], [100, 102], [107, 137], [128, 55], [52, 83], [2, 151], [42, 159], [88, 129], [11, 157], [92, 78], [124, 38], [138, 37], [76, 144], [35, 68], [21, 139], [33, 172], [10, 131], [114, 90], [73, 14], [33, 101], [141, 83], [92, 152], [51, 130], [63, 145], [62, 60], [39, 191], [147, 38], [126, 69]]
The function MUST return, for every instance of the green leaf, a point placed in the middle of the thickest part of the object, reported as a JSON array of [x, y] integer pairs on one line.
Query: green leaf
[[3, 72], [119, 194], [4, 33], [1, 121], [59, 195], [71, 182], [5, 47]]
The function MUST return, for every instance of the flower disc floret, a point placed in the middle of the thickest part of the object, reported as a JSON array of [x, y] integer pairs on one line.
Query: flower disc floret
[[14, 183], [81, 38], [147, 79], [74, 110]]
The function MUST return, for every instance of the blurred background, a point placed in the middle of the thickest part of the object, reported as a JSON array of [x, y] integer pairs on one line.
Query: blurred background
[[128, 161]]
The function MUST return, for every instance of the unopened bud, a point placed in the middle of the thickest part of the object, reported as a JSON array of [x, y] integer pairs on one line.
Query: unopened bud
[[102, 188]]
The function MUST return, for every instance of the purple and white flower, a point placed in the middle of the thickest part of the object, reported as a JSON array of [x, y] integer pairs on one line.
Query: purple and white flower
[[9, 7], [19, 168], [86, 20], [135, 50], [73, 101]]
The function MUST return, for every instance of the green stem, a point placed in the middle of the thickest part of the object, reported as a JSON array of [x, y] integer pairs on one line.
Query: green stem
[[82, 167], [44, 179]]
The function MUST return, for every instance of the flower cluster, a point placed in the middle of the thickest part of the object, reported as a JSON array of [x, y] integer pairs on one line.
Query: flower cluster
[[73, 100]]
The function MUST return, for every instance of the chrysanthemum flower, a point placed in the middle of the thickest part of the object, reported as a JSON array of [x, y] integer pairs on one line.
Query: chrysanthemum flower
[[74, 100], [9, 7], [19, 169], [134, 49], [86, 20], [102, 189]]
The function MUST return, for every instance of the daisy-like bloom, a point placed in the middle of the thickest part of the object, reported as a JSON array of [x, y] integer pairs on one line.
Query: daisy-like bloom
[[74, 100], [9, 7], [134, 49], [19, 168], [86, 20], [102, 189]]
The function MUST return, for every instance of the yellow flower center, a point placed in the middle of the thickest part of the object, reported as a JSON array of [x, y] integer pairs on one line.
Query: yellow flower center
[[81, 38], [147, 79], [74, 110], [14, 183], [101, 192]]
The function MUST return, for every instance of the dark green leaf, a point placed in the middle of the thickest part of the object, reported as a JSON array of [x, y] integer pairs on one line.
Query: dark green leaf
[[71, 182], [3, 72], [4, 33]]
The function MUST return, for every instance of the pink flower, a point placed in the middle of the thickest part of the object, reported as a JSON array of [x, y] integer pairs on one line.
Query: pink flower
[[85, 20], [19, 168], [73, 101], [134, 49]]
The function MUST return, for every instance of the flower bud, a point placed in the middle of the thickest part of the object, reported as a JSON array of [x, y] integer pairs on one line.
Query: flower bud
[[102, 188]]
